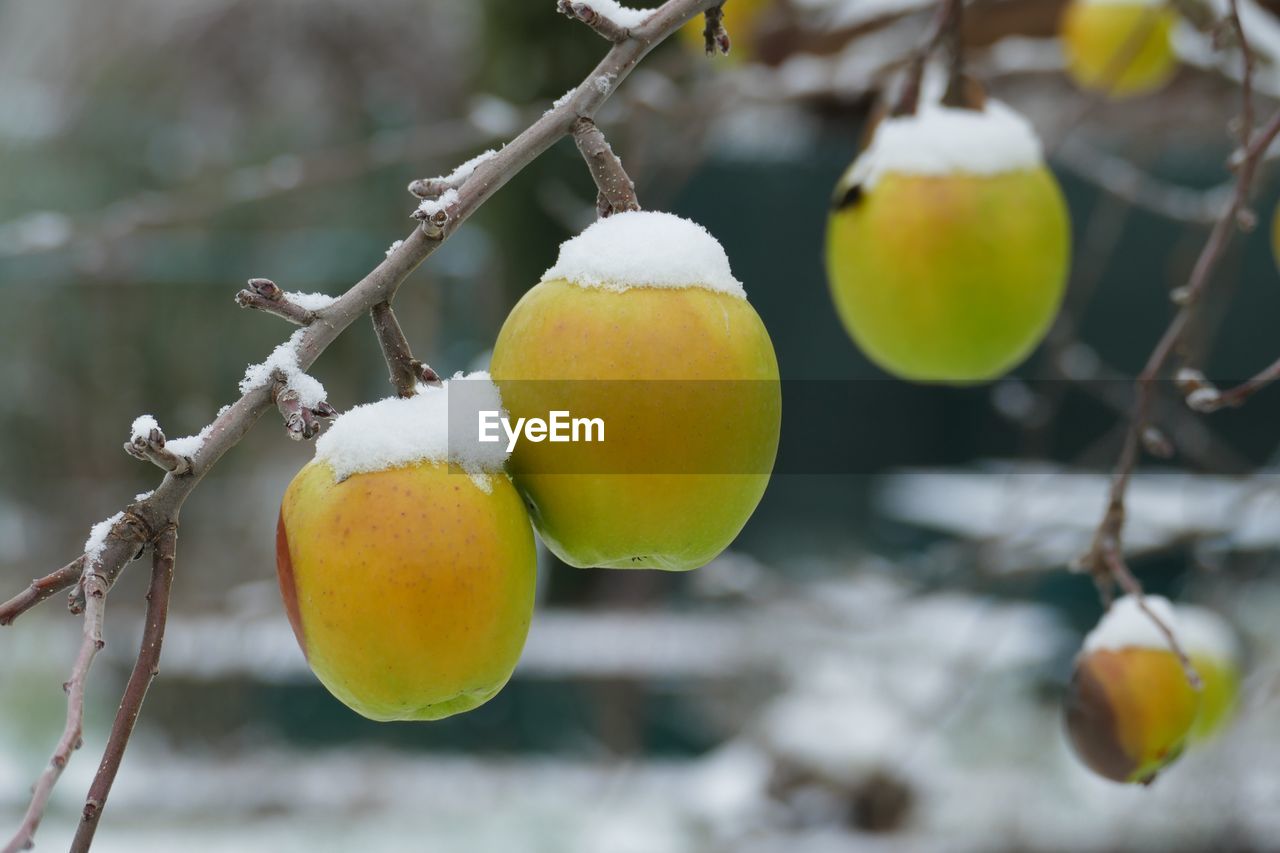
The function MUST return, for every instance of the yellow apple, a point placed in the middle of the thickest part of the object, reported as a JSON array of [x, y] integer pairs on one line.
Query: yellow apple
[[410, 588], [641, 326], [1130, 707], [948, 245], [1120, 48], [1211, 643]]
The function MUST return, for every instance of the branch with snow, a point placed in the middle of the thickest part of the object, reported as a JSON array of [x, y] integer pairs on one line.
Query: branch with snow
[[146, 442], [281, 380], [609, 19], [265, 295]]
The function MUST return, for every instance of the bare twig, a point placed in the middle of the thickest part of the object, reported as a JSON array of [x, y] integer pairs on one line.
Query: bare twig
[[40, 589], [158, 509], [945, 26], [70, 741], [151, 448], [597, 20], [714, 33], [265, 295], [616, 190], [1205, 397], [406, 371], [145, 669]]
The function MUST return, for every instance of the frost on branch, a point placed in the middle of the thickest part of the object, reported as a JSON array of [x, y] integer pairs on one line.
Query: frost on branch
[[147, 442], [299, 396], [609, 18], [265, 295], [427, 188]]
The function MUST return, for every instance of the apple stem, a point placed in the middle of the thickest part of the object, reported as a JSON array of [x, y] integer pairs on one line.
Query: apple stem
[[616, 191]]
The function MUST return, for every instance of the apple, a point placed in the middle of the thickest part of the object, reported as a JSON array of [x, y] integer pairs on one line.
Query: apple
[[1117, 47]]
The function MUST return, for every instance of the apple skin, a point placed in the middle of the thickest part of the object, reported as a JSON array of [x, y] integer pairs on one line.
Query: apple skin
[[949, 278], [686, 382], [1218, 695], [410, 590], [1129, 712], [1098, 38]]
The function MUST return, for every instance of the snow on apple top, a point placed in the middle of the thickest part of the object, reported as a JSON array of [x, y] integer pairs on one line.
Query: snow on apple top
[[1125, 625], [397, 431], [645, 248], [940, 140]]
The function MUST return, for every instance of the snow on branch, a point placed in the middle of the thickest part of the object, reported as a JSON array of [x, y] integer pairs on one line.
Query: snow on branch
[[265, 295], [610, 19], [146, 442]]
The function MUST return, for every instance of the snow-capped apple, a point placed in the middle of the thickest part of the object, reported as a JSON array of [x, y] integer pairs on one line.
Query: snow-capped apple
[[641, 325], [948, 244], [1214, 649], [1130, 707], [406, 560], [1120, 47]]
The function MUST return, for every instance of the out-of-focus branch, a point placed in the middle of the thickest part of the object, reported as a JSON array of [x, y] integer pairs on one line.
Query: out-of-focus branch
[[96, 597], [1203, 396], [714, 35], [145, 669], [595, 18], [1105, 559], [406, 371], [616, 191], [945, 28]]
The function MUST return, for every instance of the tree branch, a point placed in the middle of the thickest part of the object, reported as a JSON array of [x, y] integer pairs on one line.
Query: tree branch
[[40, 589], [145, 669], [616, 191], [406, 371], [149, 447], [265, 295], [140, 521], [604, 26], [70, 741]]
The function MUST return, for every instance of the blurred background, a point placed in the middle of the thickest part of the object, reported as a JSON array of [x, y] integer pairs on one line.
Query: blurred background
[[879, 662]]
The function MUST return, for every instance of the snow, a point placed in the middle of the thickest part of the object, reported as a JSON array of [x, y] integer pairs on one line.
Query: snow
[[311, 301], [623, 16], [645, 249], [189, 445], [432, 206], [142, 427], [464, 171], [1122, 2], [284, 359], [1203, 632], [396, 245], [1125, 625], [940, 140], [98, 540], [437, 424]]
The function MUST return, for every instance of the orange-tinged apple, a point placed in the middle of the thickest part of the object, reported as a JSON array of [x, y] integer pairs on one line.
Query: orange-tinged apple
[[410, 588]]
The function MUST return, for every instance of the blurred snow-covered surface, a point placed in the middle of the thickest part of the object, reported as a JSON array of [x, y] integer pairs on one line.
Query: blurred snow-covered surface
[[1039, 517], [900, 719]]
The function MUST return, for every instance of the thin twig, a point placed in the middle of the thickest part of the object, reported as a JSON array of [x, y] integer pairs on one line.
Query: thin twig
[[605, 26], [40, 589], [406, 371], [1205, 397], [265, 295], [715, 36], [151, 448], [300, 421], [617, 192], [70, 740], [145, 669], [945, 26]]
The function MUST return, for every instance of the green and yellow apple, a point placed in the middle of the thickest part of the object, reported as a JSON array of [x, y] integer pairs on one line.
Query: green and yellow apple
[[410, 589], [1119, 47]]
